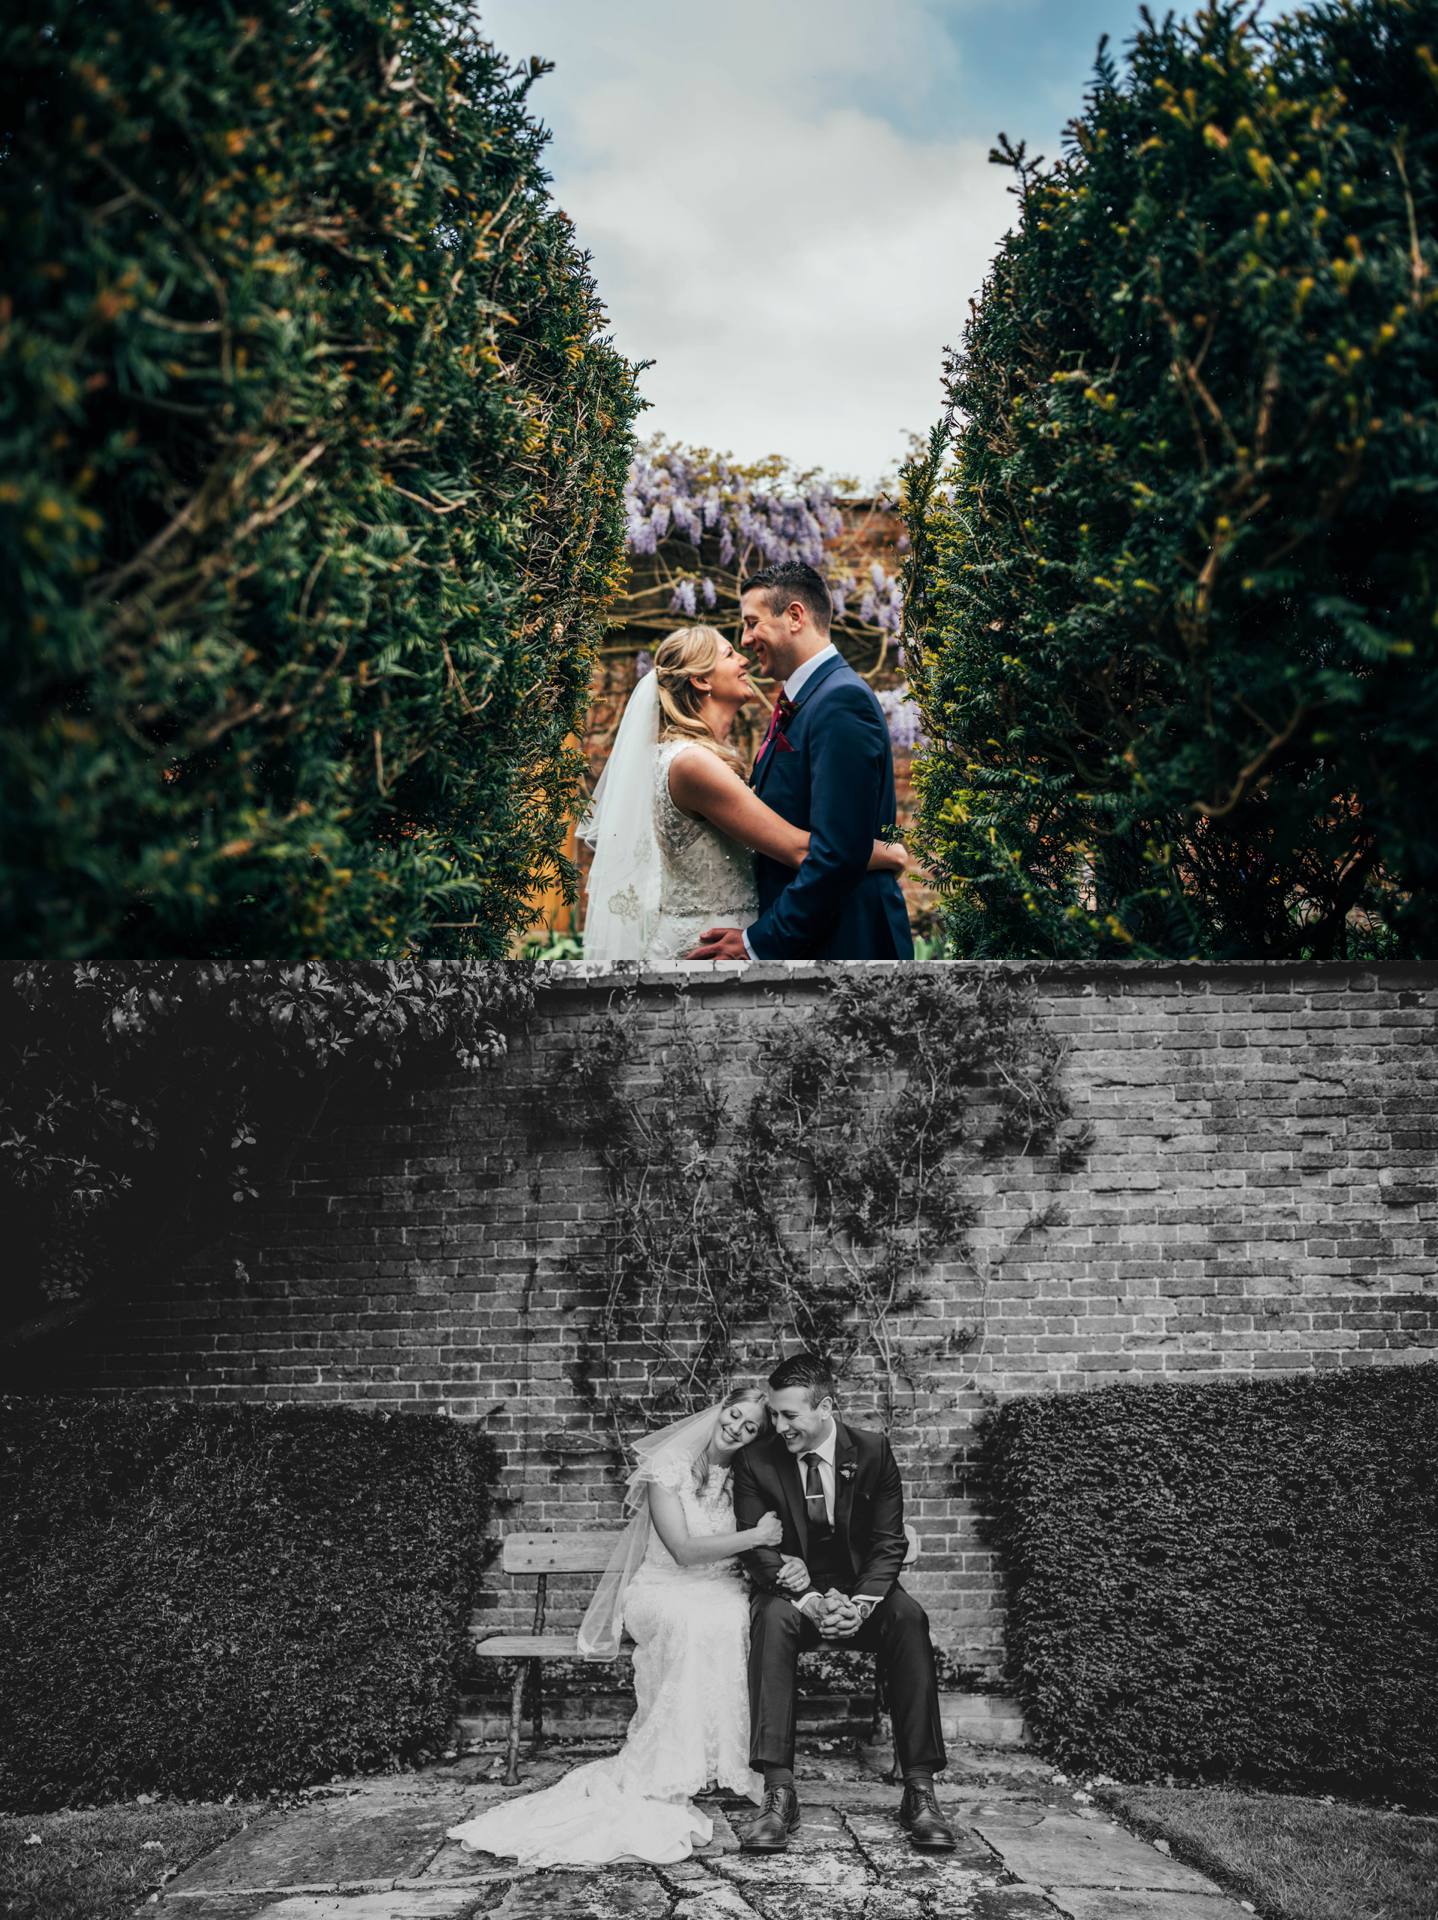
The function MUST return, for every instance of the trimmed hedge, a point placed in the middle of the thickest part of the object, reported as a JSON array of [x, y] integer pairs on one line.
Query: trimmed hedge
[[313, 448], [1173, 628], [1229, 1581], [210, 1600]]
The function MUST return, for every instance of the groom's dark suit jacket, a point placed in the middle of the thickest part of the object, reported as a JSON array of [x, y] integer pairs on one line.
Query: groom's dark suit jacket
[[835, 778], [868, 1508]]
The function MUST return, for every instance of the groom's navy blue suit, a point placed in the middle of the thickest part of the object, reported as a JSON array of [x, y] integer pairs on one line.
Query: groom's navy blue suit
[[831, 772]]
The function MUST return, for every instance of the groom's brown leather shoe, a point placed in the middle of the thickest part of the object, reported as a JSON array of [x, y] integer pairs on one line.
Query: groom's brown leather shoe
[[919, 1815], [778, 1818]]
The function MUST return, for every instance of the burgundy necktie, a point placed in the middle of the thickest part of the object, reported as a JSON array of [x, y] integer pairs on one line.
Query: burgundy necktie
[[782, 714]]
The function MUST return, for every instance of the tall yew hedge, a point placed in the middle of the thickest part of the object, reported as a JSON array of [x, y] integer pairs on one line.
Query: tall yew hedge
[[312, 450], [1229, 1581], [1173, 609], [204, 1600]]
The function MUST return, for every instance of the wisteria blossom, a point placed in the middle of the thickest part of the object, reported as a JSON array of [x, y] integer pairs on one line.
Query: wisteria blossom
[[905, 727], [706, 521], [760, 518]]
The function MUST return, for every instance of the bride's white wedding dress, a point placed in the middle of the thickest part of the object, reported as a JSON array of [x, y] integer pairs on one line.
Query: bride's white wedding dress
[[706, 879], [690, 1728], [659, 878]]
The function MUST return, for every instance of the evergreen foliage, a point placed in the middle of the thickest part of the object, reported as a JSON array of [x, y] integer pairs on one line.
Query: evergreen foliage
[[1173, 607], [312, 462], [1231, 1581], [210, 1600]]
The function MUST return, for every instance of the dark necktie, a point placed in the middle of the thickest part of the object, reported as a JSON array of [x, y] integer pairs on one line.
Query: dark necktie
[[782, 714], [814, 1498]]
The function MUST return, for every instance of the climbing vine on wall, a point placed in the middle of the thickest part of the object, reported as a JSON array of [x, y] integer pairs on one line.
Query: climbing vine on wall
[[819, 1191]]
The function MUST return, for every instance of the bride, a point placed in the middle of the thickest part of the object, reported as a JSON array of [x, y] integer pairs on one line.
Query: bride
[[674, 1582], [673, 822]]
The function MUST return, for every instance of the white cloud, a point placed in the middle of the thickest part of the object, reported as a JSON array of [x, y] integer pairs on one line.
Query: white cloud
[[762, 225]]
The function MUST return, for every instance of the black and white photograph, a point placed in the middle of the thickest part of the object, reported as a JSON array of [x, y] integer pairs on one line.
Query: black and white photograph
[[719, 960]]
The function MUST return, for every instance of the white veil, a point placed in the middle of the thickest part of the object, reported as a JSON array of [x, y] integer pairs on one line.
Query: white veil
[[603, 1622], [625, 879]]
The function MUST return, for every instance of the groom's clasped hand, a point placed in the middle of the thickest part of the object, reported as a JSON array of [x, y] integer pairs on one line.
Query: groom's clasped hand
[[837, 1615]]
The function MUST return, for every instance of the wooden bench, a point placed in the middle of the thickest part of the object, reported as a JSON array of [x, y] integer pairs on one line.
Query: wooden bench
[[539, 1555]]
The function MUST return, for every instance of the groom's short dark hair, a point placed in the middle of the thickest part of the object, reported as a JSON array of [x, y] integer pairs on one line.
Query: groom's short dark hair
[[793, 580], [809, 1370]]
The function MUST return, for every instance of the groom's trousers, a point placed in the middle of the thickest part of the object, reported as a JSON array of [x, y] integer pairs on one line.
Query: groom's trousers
[[897, 1630]]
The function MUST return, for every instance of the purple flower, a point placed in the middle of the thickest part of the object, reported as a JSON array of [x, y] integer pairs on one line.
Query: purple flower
[[905, 727], [682, 600], [710, 593], [643, 663]]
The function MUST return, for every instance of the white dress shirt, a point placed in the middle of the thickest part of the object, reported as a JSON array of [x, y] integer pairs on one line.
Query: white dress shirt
[[804, 673], [799, 678]]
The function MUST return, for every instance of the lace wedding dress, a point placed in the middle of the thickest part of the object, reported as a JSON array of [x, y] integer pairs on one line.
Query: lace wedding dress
[[707, 879], [691, 1722]]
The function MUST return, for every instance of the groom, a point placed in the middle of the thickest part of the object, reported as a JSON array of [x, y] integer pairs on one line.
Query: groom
[[826, 765], [835, 1577]]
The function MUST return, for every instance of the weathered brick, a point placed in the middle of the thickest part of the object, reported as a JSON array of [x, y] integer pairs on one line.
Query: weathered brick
[[1259, 1198]]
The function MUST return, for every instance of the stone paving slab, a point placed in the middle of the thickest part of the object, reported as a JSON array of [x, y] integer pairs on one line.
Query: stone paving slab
[[990, 1764], [435, 1904], [613, 1894], [1065, 1851], [1029, 1848], [839, 1885], [884, 1844], [216, 1906], [452, 1866], [1011, 1903], [1012, 1813], [713, 1903], [385, 1831], [1092, 1903]]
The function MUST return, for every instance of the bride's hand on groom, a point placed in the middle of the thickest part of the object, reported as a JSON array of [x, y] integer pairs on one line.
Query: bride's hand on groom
[[770, 1530], [793, 1575], [719, 943]]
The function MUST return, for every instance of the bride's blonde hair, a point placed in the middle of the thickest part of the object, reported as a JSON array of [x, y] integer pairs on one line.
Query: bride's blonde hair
[[679, 657]]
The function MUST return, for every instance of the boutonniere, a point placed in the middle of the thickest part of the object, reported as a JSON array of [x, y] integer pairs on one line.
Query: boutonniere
[[846, 1472]]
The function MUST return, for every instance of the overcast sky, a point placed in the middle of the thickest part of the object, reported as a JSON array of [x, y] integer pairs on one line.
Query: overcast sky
[[789, 202]]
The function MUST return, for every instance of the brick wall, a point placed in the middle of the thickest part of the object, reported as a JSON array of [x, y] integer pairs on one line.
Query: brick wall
[[1259, 1195]]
